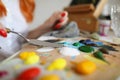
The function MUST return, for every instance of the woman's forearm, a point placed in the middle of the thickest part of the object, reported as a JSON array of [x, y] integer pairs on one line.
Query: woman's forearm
[[38, 32]]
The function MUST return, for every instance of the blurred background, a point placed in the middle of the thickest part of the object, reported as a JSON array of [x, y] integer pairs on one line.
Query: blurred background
[[91, 18], [44, 8]]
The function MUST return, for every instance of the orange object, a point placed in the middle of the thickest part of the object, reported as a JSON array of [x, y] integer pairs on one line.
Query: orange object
[[26, 54], [50, 77], [85, 67]]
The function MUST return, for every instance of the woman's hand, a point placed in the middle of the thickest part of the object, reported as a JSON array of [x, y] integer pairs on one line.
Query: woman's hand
[[3, 31], [57, 20]]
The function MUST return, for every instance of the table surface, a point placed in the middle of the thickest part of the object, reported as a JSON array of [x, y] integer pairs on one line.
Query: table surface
[[104, 71]]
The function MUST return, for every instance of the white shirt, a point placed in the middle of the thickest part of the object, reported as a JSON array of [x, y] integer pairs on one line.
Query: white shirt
[[15, 21]]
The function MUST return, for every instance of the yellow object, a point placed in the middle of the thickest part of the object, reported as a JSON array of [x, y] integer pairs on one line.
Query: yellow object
[[50, 77], [26, 54], [32, 59], [57, 64], [29, 57], [85, 67]]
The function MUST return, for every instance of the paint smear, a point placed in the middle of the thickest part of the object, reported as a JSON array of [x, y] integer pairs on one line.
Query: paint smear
[[68, 51]]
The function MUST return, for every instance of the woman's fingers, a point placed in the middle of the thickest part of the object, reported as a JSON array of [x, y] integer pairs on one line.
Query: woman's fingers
[[3, 33], [61, 23], [57, 20], [62, 20]]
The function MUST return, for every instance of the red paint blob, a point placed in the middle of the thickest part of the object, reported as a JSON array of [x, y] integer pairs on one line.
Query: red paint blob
[[29, 74]]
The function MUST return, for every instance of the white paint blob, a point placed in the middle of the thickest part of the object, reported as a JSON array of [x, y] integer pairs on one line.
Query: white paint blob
[[45, 49], [67, 51]]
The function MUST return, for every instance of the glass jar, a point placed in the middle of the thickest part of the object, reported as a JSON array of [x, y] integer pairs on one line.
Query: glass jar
[[115, 17]]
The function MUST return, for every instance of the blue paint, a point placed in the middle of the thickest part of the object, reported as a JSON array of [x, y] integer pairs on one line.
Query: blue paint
[[99, 43], [82, 44], [88, 41], [71, 46]]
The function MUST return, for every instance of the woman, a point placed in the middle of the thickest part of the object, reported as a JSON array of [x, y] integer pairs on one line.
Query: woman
[[15, 15]]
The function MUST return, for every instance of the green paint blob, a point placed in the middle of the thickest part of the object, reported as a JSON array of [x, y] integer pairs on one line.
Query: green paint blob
[[99, 55], [87, 49], [77, 44]]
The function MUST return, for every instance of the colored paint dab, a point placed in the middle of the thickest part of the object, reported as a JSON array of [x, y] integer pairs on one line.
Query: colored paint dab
[[32, 59], [29, 57], [109, 48], [104, 50], [87, 49], [99, 55], [24, 55], [85, 67], [57, 64], [99, 43], [95, 60], [50, 77], [88, 41], [77, 44], [29, 74], [82, 41]]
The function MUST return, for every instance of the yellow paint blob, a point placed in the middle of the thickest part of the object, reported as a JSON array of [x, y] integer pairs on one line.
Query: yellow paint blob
[[26, 54], [85, 67], [29, 57], [57, 64], [50, 77], [32, 59]]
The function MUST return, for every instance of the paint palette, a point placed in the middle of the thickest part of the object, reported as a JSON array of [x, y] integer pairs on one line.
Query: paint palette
[[104, 71]]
